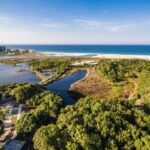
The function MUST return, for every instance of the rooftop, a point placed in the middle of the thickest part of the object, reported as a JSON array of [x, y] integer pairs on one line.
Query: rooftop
[[14, 145]]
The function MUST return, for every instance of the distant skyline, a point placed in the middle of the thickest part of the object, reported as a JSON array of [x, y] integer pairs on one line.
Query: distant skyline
[[74, 21]]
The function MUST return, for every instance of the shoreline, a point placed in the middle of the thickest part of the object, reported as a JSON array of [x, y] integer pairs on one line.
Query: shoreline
[[92, 55], [78, 55], [87, 73]]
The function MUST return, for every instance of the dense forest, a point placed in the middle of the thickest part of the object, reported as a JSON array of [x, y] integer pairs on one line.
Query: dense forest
[[53, 63], [129, 75], [3, 113], [120, 70], [88, 124], [45, 107], [95, 125], [91, 124]]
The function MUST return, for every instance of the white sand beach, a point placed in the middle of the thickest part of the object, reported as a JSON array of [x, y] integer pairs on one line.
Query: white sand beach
[[114, 56], [119, 56], [61, 54]]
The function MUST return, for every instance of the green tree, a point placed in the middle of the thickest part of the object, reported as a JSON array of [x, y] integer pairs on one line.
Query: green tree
[[98, 125], [3, 113]]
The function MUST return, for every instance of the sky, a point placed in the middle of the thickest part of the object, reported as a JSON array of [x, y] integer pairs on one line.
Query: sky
[[74, 21]]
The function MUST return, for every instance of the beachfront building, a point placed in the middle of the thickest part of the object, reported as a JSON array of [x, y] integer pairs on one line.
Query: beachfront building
[[84, 62], [19, 51], [3, 49]]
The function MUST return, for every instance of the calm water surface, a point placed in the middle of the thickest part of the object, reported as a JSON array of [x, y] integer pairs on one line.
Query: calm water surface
[[8, 73], [61, 86]]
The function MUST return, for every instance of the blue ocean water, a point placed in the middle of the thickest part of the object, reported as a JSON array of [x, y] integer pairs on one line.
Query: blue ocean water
[[92, 49]]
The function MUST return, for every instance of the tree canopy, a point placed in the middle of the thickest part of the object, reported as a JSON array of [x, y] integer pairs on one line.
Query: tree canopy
[[51, 63], [43, 114], [95, 125], [119, 70], [3, 113]]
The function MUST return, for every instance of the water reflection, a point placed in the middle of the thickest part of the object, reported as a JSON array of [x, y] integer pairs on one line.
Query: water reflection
[[61, 86], [10, 73]]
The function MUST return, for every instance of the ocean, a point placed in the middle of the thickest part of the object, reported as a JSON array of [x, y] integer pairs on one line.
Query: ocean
[[89, 49]]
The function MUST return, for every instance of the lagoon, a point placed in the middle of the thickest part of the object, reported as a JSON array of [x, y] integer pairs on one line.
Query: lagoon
[[9, 73], [62, 86]]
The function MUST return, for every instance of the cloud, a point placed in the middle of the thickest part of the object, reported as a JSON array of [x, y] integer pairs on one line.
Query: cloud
[[115, 27], [15, 32], [99, 25], [53, 25]]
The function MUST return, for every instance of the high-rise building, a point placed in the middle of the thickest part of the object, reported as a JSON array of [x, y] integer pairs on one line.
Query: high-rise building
[[2, 49]]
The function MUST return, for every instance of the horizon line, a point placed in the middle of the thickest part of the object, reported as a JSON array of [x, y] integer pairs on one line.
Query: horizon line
[[74, 44]]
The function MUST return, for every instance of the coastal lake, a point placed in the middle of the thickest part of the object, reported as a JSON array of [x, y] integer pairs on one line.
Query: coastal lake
[[11, 73], [62, 86]]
